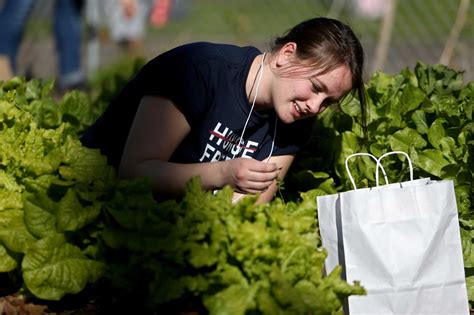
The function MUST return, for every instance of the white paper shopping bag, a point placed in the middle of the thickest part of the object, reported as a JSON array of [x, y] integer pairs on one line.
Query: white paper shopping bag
[[402, 242]]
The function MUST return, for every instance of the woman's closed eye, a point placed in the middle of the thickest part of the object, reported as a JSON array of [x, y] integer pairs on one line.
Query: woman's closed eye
[[315, 88]]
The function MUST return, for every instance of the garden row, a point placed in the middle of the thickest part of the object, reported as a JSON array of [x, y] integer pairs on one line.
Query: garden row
[[70, 227]]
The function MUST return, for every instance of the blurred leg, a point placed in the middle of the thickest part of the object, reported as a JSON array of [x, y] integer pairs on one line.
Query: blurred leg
[[13, 17], [6, 72], [68, 34]]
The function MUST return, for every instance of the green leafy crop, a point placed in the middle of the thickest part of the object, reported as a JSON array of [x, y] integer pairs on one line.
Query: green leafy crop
[[234, 258], [68, 223], [41, 202]]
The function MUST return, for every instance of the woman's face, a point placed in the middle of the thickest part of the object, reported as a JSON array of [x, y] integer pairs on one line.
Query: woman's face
[[296, 98]]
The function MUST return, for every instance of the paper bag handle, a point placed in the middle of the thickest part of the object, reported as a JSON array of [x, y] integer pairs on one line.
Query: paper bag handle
[[377, 168], [379, 164]]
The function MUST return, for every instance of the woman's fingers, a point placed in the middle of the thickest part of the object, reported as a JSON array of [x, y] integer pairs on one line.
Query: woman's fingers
[[253, 176], [253, 187]]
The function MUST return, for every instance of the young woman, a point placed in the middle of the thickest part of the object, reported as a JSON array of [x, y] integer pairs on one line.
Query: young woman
[[230, 115]]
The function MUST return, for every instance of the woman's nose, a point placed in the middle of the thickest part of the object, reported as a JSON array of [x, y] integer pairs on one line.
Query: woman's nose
[[313, 105]]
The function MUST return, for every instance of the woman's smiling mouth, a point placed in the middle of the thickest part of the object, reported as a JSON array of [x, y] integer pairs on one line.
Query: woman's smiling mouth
[[298, 111]]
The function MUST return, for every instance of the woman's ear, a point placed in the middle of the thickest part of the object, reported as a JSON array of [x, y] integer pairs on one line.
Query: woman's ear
[[286, 54]]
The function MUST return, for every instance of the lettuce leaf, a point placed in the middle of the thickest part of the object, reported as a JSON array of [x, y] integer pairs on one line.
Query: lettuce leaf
[[53, 268]]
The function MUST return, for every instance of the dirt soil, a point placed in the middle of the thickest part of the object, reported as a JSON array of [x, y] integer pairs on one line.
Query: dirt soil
[[17, 305]]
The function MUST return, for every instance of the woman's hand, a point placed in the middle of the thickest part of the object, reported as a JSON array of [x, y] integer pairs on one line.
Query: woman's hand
[[284, 163], [249, 176]]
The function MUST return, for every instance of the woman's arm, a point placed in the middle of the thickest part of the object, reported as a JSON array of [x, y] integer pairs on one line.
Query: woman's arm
[[157, 130]]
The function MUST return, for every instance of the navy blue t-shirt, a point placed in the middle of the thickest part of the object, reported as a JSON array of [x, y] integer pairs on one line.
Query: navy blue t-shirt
[[207, 83]]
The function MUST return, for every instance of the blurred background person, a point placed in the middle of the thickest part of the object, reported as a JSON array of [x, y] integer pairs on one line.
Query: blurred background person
[[160, 13], [127, 22], [67, 27]]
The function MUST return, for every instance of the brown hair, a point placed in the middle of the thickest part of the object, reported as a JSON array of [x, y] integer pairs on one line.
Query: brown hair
[[325, 44]]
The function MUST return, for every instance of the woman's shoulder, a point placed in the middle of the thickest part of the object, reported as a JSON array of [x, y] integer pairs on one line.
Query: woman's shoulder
[[208, 51], [195, 62], [211, 47]]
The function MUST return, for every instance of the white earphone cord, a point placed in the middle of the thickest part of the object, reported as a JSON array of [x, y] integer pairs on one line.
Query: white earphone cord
[[260, 75]]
